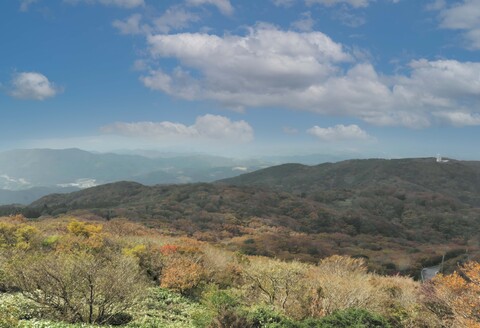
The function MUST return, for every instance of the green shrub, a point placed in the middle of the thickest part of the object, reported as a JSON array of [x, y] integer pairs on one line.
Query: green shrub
[[353, 318], [264, 316]]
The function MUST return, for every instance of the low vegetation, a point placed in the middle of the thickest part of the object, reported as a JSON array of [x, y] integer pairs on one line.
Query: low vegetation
[[77, 272]]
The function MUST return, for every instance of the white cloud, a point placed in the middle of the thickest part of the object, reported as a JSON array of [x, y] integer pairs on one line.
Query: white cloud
[[130, 26], [174, 18], [31, 85], [224, 6], [265, 62], [329, 3], [210, 127], [25, 4], [304, 24], [129, 4], [460, 118], [269, 67], [339, 132], [463, 16]]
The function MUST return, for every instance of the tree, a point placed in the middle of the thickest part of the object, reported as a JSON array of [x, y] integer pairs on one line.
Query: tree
[[78, 286], [277, 283]]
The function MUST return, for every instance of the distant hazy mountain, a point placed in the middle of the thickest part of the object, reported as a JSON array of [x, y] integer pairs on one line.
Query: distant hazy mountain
[[29, 195], [21, 170]]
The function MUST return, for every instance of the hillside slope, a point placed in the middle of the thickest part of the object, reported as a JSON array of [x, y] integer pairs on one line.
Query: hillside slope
[[456, 179], [401, 213]]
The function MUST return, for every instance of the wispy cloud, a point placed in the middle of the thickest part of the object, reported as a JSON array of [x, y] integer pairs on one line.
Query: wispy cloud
[[224, 6], [283, 3], [305, 23], [128, 4], [353, 3], [339, 132], [212, 127], [174, 18], [25, 4], [131, 25]]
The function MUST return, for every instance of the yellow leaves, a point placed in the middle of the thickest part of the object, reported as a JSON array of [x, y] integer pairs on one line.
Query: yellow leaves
[[137, 251], [16, 234], [84, 229], [81, 235], [7, 234]]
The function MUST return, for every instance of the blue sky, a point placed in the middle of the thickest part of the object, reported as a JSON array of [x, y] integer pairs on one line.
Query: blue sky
[[355, 78]]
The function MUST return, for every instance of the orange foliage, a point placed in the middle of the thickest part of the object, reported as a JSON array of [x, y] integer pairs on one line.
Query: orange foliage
[[168, 249], [461, 292], [182, 274]]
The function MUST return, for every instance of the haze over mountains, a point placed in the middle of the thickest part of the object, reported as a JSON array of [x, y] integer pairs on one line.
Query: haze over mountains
[[26, 175]]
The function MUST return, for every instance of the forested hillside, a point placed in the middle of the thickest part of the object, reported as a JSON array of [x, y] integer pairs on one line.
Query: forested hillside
[[399, 214], [456, 179]]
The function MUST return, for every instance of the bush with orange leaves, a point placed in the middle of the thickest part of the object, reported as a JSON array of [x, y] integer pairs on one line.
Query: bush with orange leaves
[[182, 274], [460, 292]]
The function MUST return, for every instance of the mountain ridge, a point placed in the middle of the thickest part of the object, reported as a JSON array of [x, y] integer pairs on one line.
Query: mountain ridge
[[401, 214]]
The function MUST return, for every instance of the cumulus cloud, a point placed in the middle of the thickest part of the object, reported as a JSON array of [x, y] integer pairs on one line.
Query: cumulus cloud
[[129, 4], [329, 3], [224, 6], [269, 67], [32, 85], [266, 62], [463, 16], [339, 132], [209, 127]]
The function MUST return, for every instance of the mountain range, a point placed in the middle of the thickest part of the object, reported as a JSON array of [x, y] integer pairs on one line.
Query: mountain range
[[28, 174], [401, 214]]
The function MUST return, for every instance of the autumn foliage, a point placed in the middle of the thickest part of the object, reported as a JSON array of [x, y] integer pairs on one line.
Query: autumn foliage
[[460, 292], [102, 272]]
